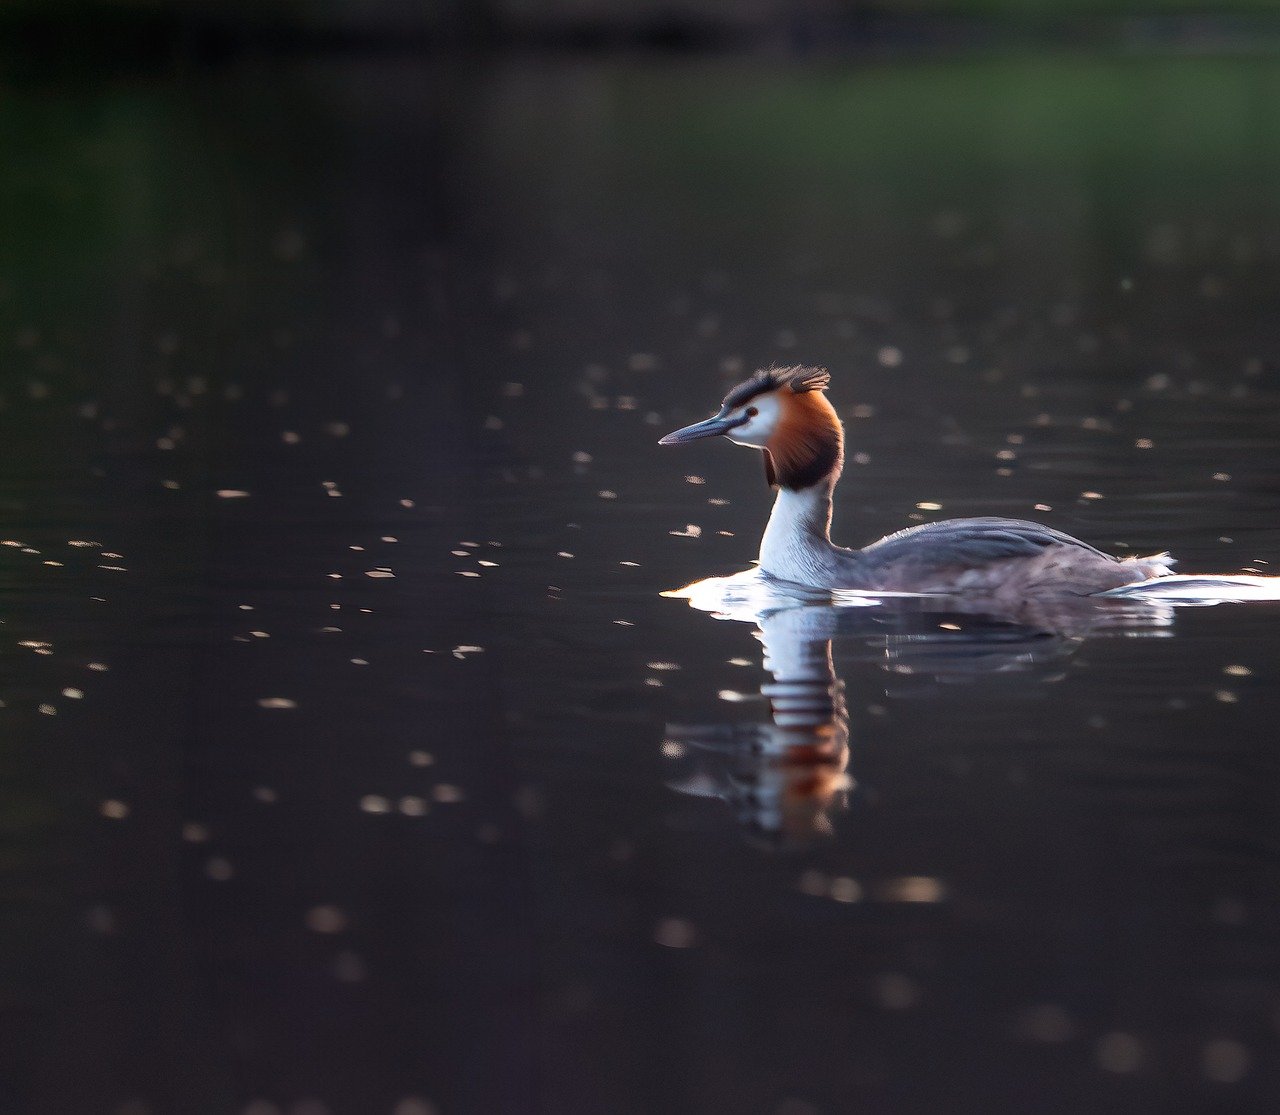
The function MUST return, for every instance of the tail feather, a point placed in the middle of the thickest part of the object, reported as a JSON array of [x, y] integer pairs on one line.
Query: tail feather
[[1157, 565]]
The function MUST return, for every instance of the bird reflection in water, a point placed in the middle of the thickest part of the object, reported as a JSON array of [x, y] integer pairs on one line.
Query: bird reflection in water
[[787, 775], [784, 775]]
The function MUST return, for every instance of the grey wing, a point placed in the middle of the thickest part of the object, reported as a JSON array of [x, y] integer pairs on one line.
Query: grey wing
[[971, 542]]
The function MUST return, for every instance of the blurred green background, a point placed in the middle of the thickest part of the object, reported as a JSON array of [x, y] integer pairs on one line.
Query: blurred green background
[[159, 26]]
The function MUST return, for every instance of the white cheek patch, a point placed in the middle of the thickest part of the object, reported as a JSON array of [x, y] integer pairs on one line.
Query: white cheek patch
[[747, 434], [760, 428]]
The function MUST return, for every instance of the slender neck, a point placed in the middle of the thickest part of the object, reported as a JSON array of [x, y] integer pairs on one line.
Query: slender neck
[[804, 456], [797, 542]]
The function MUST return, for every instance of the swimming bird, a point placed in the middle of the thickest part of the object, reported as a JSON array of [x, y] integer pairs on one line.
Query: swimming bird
[[785, 413]]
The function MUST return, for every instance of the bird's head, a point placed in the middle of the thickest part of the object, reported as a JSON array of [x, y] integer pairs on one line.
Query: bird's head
[[785, 412]]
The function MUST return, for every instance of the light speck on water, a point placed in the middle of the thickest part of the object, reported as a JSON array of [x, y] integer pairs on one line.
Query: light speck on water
[[326, 919], [1225, 1061], [844, 889], [910, 888], [675, 933], [219, 869], [1047, 1022], [896, 991]]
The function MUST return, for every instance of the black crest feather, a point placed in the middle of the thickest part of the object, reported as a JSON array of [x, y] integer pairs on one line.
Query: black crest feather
[[797, 379]]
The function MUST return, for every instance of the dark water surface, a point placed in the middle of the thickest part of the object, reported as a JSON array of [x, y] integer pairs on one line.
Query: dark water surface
[[503, 830]]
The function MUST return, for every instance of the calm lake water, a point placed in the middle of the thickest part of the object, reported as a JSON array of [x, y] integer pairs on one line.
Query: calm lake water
[[353, 762]]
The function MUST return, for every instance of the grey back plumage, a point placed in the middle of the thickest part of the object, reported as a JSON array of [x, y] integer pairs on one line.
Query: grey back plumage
[[1007, 558], [972, 542]]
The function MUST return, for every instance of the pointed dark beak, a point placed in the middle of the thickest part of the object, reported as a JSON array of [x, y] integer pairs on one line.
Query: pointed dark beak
[[718, 424]]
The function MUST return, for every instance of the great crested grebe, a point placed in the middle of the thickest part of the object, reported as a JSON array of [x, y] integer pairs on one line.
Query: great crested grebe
[[785, 413]]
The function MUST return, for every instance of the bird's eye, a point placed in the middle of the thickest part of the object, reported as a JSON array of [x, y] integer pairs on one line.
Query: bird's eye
[[752, 412]]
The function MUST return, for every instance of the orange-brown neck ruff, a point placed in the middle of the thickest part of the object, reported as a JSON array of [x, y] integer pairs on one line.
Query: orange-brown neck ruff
[[808, 444]]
